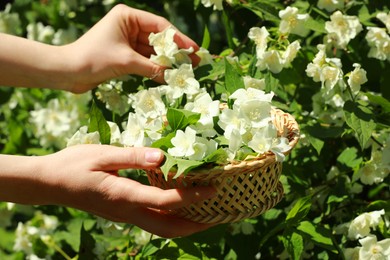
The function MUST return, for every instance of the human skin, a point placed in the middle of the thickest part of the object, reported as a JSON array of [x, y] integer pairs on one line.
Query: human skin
[[85, 176]]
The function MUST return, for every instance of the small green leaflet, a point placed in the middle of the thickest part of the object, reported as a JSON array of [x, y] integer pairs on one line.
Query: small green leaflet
[[293, 242], [183, 165], [180, 118], [98, 123], [206, 38], [299, 211], [233, 79], [318, 234], [361, 120], [349, 157]]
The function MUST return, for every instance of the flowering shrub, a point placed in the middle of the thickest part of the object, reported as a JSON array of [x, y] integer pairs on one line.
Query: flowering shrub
[[324, 62]]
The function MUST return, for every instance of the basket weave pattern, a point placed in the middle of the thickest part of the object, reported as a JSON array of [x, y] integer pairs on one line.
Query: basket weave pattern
[[246, 189]]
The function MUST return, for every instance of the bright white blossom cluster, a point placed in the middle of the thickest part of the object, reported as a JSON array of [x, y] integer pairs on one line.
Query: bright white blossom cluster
[[41, 227], [271, 58], [111, 93], [167, 52], [246, 124], [377, 168], [330, 5], [216, 4], [58, 120], [361, 227], [341, 29], [9, 22], [292, 22], [333, 92], [379, 39]]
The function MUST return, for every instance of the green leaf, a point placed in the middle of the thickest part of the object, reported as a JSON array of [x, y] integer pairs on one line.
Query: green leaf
[[318, 144], [381, 101], [98, 123], [233, 79], [164, 143], [315, 25], [206, 38], [188, 249], [360, 120], [294, 244], [184, 166], [349, 157], [218, 156], [299, 211], [169, 162], [318, 234], [180, 118], [87, 245]]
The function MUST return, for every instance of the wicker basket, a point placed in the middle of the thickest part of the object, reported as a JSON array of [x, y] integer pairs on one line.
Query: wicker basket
[[246, 189]]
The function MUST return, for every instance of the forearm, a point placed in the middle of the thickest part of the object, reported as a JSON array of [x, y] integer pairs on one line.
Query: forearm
[[26, 63], [21, 180]]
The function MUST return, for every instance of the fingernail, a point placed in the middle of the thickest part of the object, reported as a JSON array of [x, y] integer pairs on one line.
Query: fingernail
[[153, 156]]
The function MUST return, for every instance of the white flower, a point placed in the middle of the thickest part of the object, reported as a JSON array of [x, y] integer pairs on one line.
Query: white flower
[[202, 148], [148, 103], [260, 37], [250, 82], [183, 143], [341, 29], [208, 109], [371, 249], [163, 43], [360, 226], [279, 147], [229, 121], [235, 141], [134, 134], [379, 41], [351, 253], [357, 78], [180, 81], [22, 239], [384, 18], [9, 22], [292, 22], [271, 60], [205, 56], [262, 139], [115, 138], [217, 4], [256, 113], [291, 52], [330, 5], [62, 37], [111, 93], [386, 155], [329, 77], [244, 95], [40, 32], [83, 137], [56, 122], [372, 172]]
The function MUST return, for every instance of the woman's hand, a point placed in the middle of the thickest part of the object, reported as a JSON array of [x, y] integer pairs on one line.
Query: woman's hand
[[85, 177], [118, 45]]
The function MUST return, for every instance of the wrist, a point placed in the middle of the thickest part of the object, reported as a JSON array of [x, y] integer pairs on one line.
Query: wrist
[[22, 181]]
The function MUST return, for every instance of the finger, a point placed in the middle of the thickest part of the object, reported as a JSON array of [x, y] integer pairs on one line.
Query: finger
[[143, 66], [153, 197], [168, 226], [115, 158]]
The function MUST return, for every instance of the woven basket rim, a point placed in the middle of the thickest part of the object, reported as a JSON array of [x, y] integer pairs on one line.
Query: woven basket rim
[[266, 158]]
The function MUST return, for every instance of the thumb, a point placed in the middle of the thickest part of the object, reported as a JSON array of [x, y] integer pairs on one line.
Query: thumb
[[145, 67]]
